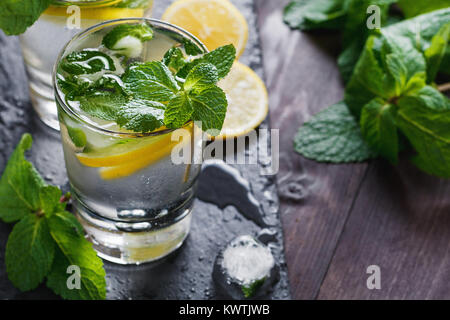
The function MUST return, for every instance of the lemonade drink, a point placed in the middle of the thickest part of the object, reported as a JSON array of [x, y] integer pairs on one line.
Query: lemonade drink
[[134, 202]]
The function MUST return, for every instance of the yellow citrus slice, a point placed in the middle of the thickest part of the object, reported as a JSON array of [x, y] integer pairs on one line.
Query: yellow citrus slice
[[130, 155], [98, 13], [124, 152], [158, 152], [214, 22], [248, 101]]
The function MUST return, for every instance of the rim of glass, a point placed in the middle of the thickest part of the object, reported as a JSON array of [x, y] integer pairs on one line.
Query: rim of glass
[[85, 2], [97, 27]]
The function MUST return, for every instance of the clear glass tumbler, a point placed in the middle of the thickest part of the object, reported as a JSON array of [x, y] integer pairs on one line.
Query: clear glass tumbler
[[42, 42], [132, 198]]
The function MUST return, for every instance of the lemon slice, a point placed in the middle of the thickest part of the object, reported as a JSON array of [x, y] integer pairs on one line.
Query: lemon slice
[[125, 152], [214, 22], [129, 156], [98, 13], [248, 101], [158, 152]]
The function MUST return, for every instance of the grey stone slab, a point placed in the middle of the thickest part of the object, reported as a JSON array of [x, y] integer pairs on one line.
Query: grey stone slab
[[186, 274]]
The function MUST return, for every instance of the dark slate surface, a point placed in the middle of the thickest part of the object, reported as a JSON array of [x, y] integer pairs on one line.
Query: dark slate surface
[[185, 274]]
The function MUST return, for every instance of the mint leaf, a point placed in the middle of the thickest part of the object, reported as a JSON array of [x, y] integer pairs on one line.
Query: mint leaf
[[87, 61], [378, 127], [388, 68], [19, 185], [427, 128], [151, 81], [417, 7], [210, 107], [49, 197], [141, 116], [74, 249], [204, 75], [191, 48], [222, 58], [436, 52], [178, 111], [251, 290], [174, 60], [102, 104], [29, 252], [77, 136], [333, 135], [420, 31], [355, 31], [17, 15], [307, 15], [368, 81], [127, 39]]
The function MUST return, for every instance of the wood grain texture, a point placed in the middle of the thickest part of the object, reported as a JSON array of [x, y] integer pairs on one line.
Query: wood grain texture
[[302, 78], [400, 222], [340, 219]]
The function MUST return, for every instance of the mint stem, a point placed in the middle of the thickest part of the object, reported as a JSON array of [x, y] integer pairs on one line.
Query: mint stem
[[444, 87], [65, 198]]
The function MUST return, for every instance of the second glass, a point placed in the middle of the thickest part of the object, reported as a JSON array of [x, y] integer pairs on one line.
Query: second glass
[[42, 42]]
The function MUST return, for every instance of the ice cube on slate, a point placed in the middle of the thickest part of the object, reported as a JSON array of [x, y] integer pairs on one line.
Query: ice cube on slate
[[245, 268]]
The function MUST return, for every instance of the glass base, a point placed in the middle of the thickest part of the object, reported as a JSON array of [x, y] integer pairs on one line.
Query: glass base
[[133, 242]]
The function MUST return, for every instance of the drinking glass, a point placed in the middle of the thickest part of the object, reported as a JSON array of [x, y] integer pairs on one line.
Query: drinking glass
[[132, 198], [42, 42]]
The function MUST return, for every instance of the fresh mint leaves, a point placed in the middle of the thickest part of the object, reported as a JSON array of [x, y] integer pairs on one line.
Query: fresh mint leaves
[[17, 15], [222, 58], [148, 95], [46, 240], [150, 81], [392, 97], [334, 136], [378, 127], [87, 62], [348, 16], [29, 252], [418, 7], [19, 185]]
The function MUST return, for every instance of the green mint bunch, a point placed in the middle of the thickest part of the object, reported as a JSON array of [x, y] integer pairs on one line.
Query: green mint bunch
[[148, 95], [46, 239], [350, 18], [391, 101]]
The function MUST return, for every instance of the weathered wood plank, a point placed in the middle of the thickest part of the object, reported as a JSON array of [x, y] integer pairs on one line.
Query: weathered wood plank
[[302, 79], [400, 222]]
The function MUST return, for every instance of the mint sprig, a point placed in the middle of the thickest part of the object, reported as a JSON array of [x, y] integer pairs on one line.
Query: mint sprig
[[150, 94], [46, 240], [393, 98]]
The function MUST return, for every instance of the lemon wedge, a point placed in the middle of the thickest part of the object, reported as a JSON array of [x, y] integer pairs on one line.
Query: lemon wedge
[[214, 22], [248, 101]]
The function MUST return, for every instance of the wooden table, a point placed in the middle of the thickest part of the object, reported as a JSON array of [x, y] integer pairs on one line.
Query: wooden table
[[340, 219]]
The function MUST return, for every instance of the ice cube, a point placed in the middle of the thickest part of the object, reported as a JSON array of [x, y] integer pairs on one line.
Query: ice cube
[[245, 268]]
